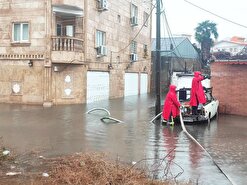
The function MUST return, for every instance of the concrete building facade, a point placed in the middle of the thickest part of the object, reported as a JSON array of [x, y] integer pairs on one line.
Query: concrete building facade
[[61, 51]]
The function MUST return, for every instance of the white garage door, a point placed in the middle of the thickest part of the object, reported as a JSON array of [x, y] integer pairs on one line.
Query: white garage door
[[97, 86], [144, 83], [131, 84]]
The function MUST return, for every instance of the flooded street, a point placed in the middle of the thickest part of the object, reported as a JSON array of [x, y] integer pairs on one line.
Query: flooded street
[[68, 129]]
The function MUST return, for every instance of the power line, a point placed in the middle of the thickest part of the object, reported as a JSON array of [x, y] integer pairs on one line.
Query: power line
[[137, 32], [171, 39], [228, 20]]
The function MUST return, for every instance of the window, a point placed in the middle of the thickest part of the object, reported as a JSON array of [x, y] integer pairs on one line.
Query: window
[[134, 10], [145, 50], [59, 29], [133, 47], [133, 15], [100, 38], [20, 32], [69, 30], [145, 19], [119, 18]]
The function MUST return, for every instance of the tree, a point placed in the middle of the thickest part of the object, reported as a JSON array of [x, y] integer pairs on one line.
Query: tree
[[205, 32]]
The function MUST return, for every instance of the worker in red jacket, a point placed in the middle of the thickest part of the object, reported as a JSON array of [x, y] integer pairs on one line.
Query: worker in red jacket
[[171, 105], [197, 95]]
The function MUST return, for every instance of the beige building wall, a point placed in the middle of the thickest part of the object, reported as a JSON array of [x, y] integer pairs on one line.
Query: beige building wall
[[15, 73], [35, 73], [115, 22]]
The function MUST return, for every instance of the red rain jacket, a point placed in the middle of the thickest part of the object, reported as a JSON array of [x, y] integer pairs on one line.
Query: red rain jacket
[[171, 104], [197, 92]]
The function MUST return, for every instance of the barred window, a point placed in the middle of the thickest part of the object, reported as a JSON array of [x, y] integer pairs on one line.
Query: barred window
[[133, 47]]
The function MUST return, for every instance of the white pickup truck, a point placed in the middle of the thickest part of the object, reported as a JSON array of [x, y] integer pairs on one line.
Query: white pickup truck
[[208, 110]]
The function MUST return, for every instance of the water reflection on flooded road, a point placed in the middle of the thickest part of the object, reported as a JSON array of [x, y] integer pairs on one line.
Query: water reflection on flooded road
[[68, 129]]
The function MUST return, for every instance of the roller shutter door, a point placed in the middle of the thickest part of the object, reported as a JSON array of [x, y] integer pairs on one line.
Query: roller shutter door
[[97, 86]]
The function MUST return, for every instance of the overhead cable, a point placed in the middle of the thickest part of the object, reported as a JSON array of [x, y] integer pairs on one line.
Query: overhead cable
[[216, 14], [137, 32]]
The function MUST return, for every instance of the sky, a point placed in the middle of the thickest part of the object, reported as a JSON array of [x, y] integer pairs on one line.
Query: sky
[[183, 17]]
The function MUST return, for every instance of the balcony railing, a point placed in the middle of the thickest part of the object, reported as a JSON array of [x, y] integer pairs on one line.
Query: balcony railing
[[67, 44]]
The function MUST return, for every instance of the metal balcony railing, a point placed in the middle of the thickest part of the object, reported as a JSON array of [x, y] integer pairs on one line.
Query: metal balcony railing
[[67, 44]]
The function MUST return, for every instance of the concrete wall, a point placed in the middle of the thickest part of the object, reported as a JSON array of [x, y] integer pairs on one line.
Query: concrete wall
[[229, 87], [77, 84], [23, 11], [27, 80]]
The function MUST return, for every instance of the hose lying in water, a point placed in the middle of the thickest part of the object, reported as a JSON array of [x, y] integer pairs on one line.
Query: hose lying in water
[[103, 119], [158, 115], [94, 109], [111, 119], [190, 136]]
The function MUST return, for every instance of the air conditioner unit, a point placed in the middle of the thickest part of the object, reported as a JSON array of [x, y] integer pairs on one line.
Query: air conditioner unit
[[133, 57], [133, 21], [102, 50], [103, 5]]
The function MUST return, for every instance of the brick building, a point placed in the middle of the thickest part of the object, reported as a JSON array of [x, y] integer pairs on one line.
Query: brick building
[[73, 51], [229, 86]]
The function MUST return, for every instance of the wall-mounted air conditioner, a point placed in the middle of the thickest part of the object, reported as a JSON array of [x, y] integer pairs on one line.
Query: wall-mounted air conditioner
[[102, 50], [103, 5], [133, 57], [133, 21]]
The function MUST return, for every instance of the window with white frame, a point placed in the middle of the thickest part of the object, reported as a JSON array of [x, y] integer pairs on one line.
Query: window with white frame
[[69, 30], [20, 32], [100, 38], [133, 47], [145, 19]]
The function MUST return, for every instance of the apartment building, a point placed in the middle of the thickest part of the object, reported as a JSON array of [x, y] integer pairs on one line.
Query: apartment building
[[74, 51]]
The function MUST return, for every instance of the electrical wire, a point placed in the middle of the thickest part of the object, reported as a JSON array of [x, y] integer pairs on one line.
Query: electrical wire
[[171, 38], [143, 25], [228, 20]]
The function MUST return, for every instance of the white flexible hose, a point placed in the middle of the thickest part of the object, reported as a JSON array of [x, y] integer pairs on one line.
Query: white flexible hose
[[158, 115], [190, 136], [94, 109], [108, 112]]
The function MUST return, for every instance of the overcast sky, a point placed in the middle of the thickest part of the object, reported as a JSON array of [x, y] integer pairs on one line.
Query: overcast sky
[[184, 17]]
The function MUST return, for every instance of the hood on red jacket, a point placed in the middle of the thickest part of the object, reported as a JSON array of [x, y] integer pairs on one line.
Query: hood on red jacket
[[172, 88], [197, 73]]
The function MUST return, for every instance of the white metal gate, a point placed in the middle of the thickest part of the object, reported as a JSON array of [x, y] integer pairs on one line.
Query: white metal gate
[[97, 86], [131, 84], [144, 83]]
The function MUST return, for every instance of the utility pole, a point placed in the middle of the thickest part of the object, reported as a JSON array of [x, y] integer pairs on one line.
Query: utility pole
[[157, 66]]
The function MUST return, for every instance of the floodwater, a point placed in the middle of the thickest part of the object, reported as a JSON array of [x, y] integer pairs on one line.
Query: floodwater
[[166, 151]]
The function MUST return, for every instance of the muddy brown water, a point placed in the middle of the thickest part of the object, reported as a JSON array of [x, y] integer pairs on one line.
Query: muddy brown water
[[67, 129]]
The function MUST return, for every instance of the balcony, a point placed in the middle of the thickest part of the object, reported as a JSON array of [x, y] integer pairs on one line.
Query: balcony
[[67, 44], [67, 49]]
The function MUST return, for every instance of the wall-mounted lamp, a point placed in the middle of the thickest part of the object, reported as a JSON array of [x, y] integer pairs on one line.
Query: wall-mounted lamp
[[110, 66], [56, 69], [30, 63], [128, 66]]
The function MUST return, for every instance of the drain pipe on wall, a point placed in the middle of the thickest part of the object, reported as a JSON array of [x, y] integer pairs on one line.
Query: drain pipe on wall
[[191, 137]]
